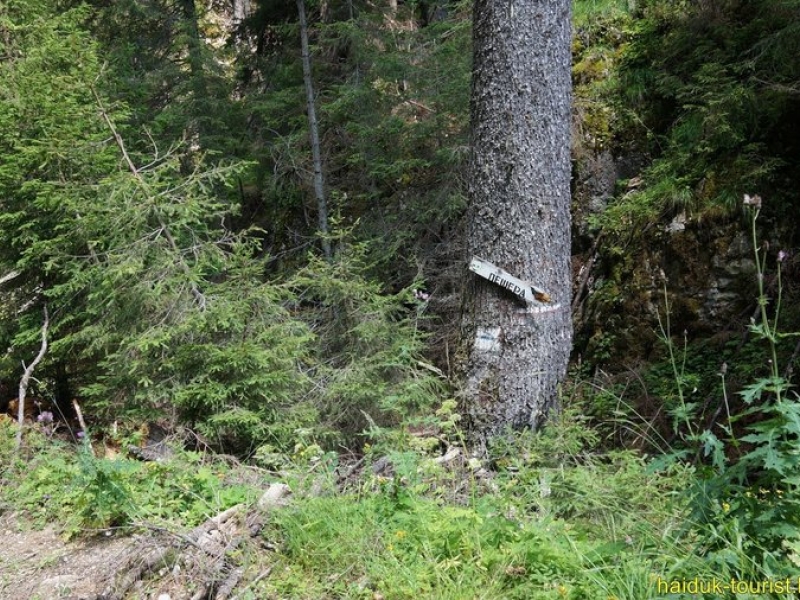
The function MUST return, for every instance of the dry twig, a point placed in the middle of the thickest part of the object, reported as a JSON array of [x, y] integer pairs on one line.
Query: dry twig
[[26, 378]]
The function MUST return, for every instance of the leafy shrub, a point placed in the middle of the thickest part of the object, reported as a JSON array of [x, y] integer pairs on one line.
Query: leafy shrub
[[745, 499], [84, 493], [693, 78]]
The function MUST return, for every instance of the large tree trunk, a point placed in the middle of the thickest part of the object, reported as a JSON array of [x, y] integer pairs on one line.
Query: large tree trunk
[[519, 219]]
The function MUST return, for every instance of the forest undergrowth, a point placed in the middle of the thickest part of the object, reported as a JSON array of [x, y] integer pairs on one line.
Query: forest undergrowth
[[553, 514]]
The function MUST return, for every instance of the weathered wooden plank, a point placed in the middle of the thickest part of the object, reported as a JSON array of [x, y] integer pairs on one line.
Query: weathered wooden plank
[[524, 290]]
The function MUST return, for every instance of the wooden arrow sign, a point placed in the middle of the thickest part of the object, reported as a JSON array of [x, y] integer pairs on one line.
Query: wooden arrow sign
[[524, 290]]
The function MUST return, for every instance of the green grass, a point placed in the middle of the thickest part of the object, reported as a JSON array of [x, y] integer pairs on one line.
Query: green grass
[[583, 11], [350, 547], [554, 519], [546, 525], [66, 484]]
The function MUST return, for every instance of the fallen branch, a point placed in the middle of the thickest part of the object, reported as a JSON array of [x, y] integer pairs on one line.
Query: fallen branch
[[208, 546], [206, 555], [231, 581], [26, 378], [136, 572], [264, 574]]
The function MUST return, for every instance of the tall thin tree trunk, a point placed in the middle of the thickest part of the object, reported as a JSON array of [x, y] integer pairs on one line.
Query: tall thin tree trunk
[[198, 114], [194, 47], [316, 152], [519, 219], [241, 10]]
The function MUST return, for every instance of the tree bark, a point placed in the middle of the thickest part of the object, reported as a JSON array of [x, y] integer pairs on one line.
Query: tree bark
[[519, 218], [316, 152], [241, 10], [194, 48]]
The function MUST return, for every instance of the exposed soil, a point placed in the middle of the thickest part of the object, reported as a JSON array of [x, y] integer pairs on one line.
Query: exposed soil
[[39, 565], [156, 563]]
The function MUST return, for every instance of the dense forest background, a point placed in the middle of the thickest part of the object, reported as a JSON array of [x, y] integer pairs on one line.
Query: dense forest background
[[160, 210], [159, 197]]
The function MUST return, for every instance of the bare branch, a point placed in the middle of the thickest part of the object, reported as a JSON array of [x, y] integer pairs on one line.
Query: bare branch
[[79, 414], [26, 378], [792, 90], [9, 277]]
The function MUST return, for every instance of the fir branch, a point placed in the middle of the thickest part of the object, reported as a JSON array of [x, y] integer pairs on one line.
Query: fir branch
[[196, 292]]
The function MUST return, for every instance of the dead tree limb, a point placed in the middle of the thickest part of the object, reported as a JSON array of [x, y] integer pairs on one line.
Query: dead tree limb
[[9, 276], [82, 423], [208, 545], [577, 300], [225, 589], [26, 378]]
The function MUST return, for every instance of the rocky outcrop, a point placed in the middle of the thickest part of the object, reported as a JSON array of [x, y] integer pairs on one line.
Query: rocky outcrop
[[707, 266]]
